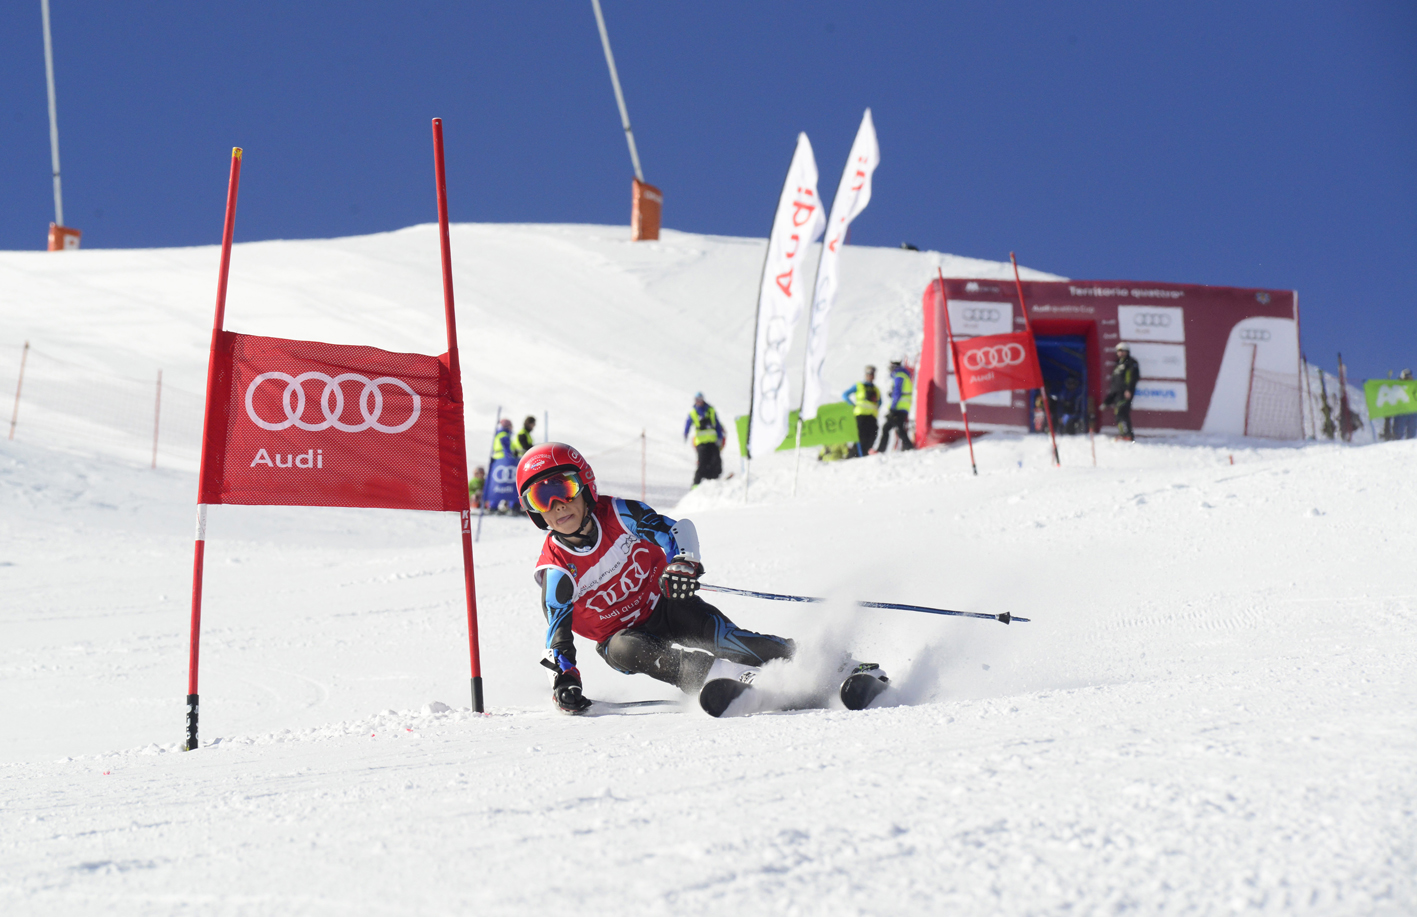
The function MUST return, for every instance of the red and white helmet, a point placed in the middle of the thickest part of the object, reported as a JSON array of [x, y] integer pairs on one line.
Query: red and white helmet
[[551, 458]]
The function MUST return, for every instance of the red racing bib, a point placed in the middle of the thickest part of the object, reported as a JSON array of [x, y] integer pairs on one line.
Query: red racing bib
[[617, 578]]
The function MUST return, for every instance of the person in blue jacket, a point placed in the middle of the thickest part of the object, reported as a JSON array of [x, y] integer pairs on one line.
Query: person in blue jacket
[[708, 439], [898, 415]]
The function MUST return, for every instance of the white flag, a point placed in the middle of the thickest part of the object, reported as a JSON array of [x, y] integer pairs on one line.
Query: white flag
[[853, 193], [798, 223]]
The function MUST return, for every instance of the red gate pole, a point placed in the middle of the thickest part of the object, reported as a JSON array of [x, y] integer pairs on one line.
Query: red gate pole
[[1028, 326], [199, 548], [15, 414], [456, 372], [157, 414], [954, 361]]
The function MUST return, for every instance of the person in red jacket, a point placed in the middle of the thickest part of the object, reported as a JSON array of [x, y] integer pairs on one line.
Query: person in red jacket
[[625, 577]]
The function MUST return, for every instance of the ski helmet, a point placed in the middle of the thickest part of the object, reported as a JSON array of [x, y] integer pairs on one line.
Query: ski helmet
[[548, 459]]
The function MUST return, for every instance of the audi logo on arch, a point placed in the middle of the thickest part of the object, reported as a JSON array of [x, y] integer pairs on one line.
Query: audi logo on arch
[[331, 401], [975, 314], [1254, 334], [993, 357], [1151, 320]]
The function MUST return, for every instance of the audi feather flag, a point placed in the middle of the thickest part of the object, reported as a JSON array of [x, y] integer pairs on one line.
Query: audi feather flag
[[996, 362], [303, 423], [783, 291], [853, 193]]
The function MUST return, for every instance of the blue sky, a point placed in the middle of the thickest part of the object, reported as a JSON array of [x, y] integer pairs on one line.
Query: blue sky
[[1250, 144]]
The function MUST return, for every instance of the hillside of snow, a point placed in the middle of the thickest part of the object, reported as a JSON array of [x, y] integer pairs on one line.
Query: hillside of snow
[[546, 316], [1212, 709]]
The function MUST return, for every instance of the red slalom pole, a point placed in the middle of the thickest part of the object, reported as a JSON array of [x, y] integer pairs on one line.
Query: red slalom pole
[[474, 650], [1028, 326], [199, 547], [954, 361]]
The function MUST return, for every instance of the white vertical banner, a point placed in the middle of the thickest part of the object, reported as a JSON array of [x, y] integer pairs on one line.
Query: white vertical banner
[[853, 193], [797, 224]]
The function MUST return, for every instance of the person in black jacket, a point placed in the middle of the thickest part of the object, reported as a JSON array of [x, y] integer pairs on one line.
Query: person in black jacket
[[1122, 386]]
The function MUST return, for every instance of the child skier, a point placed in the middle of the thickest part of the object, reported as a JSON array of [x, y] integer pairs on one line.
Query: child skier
[[616, 572]]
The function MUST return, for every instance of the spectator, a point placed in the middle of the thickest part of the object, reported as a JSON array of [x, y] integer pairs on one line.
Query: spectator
[[865, 400], [1069, 406], [476, 485], [524, 440], [898, 417], [1404, 426], [1122, 386], [708, 439], [502, 452]]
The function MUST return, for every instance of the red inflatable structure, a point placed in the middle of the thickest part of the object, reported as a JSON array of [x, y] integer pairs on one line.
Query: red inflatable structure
[[1213, 359]]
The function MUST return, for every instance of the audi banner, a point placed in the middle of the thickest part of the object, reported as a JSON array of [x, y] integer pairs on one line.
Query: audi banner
[[998, 362], [853, 193], [303, 423], [783, 290]]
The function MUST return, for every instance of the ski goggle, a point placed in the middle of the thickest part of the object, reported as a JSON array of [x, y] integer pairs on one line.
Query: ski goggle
[[541, 494]]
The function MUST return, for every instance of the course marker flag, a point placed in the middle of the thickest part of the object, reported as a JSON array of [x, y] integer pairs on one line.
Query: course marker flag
[[306, 423]]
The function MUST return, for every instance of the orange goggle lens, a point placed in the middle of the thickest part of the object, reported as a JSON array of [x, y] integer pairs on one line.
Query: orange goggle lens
[[540, 495]]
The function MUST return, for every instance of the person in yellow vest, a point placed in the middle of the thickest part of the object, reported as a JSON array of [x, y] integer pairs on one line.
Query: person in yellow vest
[[708, 439], [898, 417], [524, 440], [865, 399]]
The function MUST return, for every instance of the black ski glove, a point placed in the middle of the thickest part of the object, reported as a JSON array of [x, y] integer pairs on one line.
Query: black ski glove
[[680, 579], [566, 690]]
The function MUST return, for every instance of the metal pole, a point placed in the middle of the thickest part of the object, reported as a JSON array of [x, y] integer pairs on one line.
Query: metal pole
[[1309, 389], [619, 96], [15, 413], [200, 545], [644, 486], [1250, 389], [950, 343], [482, 500], [1004, 618], [157, 414], [53, 114]]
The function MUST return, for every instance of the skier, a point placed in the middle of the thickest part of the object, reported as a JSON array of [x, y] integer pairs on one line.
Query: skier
[[616, 572], [1122, 386], [524, 440], [902, 391], [708, 439], [865, 399]]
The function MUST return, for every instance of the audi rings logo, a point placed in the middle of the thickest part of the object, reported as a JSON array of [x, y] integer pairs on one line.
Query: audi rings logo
[[980, 315], [371, 402], [1254, 334], [993, 357], [1151, 320]]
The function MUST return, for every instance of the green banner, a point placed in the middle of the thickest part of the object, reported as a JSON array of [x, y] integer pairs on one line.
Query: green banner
[[833, 424], [1390, 397]]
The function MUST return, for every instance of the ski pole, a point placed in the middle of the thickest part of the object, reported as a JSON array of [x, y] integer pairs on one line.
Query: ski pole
[[1005, 617]]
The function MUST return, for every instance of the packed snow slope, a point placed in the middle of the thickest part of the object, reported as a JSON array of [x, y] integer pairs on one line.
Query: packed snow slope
[[1213, 708]]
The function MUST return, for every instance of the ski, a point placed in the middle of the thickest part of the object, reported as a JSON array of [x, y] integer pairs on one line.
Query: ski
[[730, 685], [725, 683], [865, 683]]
